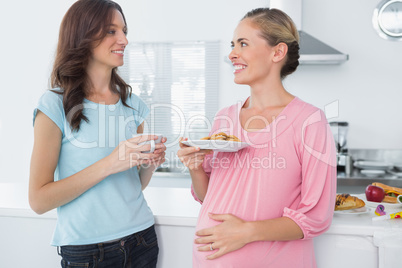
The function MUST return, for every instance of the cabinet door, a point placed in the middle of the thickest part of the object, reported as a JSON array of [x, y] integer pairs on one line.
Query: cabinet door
[[175, 245], [334, 251], [25, 242]]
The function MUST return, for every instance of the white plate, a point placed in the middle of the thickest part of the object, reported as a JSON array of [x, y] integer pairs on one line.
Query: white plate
[[372, 172], [390, 206], [217, 145], [373, 165], [356, 211]]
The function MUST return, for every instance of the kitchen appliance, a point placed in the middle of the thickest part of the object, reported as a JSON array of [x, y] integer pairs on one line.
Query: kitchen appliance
[[344, 159]]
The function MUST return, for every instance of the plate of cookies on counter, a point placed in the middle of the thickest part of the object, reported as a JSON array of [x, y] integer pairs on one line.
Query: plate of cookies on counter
[[220, 142]]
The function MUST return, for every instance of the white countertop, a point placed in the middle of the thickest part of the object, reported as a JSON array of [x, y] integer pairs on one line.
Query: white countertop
[[170, 205], [176, 206]]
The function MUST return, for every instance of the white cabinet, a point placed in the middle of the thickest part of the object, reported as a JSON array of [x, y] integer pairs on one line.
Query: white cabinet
[[175, 246], [25, 242], [336, 250], [25, 237], [352, 241]]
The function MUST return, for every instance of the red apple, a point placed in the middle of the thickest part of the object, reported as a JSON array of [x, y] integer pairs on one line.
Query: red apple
[[375, 193]]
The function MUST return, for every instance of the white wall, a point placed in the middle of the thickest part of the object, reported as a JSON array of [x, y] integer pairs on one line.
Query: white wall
[[27, 44], [367, 86]]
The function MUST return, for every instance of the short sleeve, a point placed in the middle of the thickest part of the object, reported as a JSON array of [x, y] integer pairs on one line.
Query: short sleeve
[[51, 104], [318, 160], [141, 109], [194, 195]]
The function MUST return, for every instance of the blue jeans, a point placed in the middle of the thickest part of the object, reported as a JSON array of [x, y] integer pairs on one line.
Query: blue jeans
[[133, 251]]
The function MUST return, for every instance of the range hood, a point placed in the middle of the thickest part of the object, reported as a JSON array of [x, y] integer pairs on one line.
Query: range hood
[[312, 50]]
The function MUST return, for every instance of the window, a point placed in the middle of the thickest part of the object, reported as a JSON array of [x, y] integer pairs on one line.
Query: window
[[179, 81]]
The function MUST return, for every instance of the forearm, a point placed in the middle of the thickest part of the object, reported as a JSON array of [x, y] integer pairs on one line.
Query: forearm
[[200, 181], [145, 174], [57, 193], [278, 229]]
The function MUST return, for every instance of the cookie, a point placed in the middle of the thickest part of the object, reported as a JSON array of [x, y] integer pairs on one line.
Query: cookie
[[223, 137]]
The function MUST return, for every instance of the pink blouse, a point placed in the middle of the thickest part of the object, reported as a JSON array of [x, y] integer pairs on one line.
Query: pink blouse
[[289, 170]]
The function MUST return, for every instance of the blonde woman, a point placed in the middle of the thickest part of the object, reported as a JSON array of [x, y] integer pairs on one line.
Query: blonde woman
[[262, 205]]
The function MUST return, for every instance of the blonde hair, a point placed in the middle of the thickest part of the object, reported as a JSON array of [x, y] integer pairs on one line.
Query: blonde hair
[[277, 27]]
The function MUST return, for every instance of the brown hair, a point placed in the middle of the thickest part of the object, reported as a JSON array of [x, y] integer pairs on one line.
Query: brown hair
[[84, 25], [277, 27]]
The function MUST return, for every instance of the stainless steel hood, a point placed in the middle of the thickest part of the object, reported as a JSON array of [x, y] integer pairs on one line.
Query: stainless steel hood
[[312, 50]]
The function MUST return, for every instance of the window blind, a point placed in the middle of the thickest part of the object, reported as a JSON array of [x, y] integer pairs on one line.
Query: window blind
[[179, 81]]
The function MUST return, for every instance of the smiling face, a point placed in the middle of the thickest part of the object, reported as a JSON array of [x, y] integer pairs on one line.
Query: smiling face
[[110, 51], [251, 55]]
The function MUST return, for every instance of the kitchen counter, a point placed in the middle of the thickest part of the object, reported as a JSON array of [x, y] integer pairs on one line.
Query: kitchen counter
[[177, 204], [176, 214]]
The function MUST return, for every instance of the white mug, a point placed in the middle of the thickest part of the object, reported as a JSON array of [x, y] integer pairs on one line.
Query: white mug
[[152, 142]]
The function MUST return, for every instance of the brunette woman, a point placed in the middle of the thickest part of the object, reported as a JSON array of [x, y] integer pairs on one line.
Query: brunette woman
[[85, 161]]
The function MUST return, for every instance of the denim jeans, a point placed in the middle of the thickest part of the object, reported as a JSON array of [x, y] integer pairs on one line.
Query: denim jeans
[[134, 251]]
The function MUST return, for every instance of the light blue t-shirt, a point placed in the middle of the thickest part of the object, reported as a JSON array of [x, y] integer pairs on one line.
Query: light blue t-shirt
[[115, 207]]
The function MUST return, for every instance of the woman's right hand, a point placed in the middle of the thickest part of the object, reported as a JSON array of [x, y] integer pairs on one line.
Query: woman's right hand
[[129, 153], [191, 157]]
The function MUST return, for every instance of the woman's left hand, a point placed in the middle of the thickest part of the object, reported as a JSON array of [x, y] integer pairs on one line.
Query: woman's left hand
[[232, 234], [160, 154]]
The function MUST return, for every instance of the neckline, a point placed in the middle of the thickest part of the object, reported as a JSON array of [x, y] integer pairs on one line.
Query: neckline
[[99, 103], [269, 125]]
